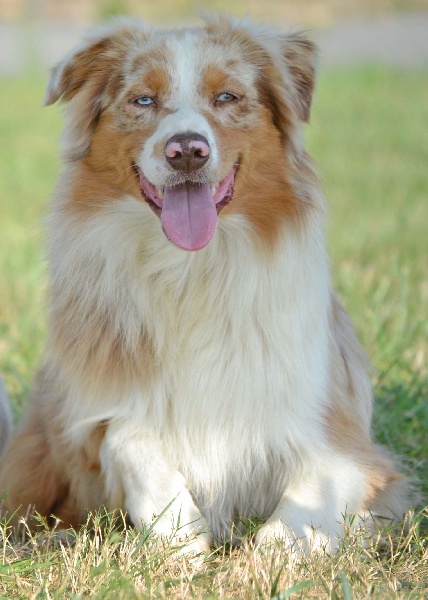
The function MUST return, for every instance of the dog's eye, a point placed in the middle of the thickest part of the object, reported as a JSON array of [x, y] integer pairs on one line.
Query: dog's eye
[[144, 101], [226, 97]]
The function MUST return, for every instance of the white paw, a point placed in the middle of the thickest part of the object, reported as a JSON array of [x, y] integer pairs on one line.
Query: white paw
[[191, 537], [195, 536], [274, 534], [193, 546], [301, 540]]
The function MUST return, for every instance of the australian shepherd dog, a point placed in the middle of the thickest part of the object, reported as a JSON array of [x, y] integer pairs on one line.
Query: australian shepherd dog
[[199, 367]]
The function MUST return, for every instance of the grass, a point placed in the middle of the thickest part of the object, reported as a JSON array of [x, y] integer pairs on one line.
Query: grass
[[368, 134]]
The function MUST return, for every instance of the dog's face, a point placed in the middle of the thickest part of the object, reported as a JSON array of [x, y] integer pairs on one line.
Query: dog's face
[[189, 120]]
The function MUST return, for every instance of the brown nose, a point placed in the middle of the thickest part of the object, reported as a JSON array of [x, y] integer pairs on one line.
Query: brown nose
[[187, 151]]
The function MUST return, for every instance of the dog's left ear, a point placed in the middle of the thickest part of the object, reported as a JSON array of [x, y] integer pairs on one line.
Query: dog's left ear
[[287, 76], [300, 55]]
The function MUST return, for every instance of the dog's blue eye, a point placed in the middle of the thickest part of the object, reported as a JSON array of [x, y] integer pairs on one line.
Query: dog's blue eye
[[226, 97], [144, 101]]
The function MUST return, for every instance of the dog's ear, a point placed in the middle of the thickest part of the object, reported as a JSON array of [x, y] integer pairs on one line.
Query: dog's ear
[[88, 78], [82, 80], [286, 64], [300, 55], [75, 70], [101, 51], [287, 78]]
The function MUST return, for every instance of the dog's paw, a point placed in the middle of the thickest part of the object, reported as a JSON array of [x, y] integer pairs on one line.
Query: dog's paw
[[190, 539], [193, 546], [196, 537], [276, 535]]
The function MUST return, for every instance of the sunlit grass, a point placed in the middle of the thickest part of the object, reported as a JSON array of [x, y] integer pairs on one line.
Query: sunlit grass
[[107, 559]]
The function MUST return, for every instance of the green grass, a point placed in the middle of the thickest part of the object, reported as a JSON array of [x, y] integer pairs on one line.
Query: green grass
[[29, 165], [368, 135]]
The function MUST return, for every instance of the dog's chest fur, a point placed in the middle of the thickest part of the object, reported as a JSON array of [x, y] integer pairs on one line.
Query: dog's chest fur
[[239, 345]]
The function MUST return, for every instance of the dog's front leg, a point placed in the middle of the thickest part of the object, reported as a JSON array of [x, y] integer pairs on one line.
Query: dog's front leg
[[140, 479]]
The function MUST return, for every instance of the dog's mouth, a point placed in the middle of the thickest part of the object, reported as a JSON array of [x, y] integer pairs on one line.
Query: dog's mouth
[[188, 211]]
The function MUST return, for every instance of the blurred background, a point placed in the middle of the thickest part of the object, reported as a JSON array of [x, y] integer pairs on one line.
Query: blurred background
[[368, 134], [390, 31]]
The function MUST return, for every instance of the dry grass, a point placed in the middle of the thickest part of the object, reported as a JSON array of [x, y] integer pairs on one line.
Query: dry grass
[[107, 559]]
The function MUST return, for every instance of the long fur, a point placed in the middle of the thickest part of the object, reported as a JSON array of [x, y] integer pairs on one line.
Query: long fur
[[225, 383]]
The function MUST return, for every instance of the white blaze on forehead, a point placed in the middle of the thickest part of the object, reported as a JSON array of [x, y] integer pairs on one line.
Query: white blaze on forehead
[[185, 69], [185, 76]]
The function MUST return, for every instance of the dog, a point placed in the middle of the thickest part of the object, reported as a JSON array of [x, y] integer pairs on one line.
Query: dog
[[199, 369]]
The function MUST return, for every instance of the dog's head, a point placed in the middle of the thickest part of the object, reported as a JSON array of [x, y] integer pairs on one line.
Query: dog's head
[[189, 119]]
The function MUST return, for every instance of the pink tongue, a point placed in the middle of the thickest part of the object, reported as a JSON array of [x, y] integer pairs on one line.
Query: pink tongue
[[189, 215]]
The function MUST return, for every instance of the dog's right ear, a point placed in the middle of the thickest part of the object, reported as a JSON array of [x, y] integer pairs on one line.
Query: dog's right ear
[[88, 78], [101, 50], [81, 80], [70, 74]]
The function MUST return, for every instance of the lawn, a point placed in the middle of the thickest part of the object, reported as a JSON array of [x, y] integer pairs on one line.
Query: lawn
[[368, 135]]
